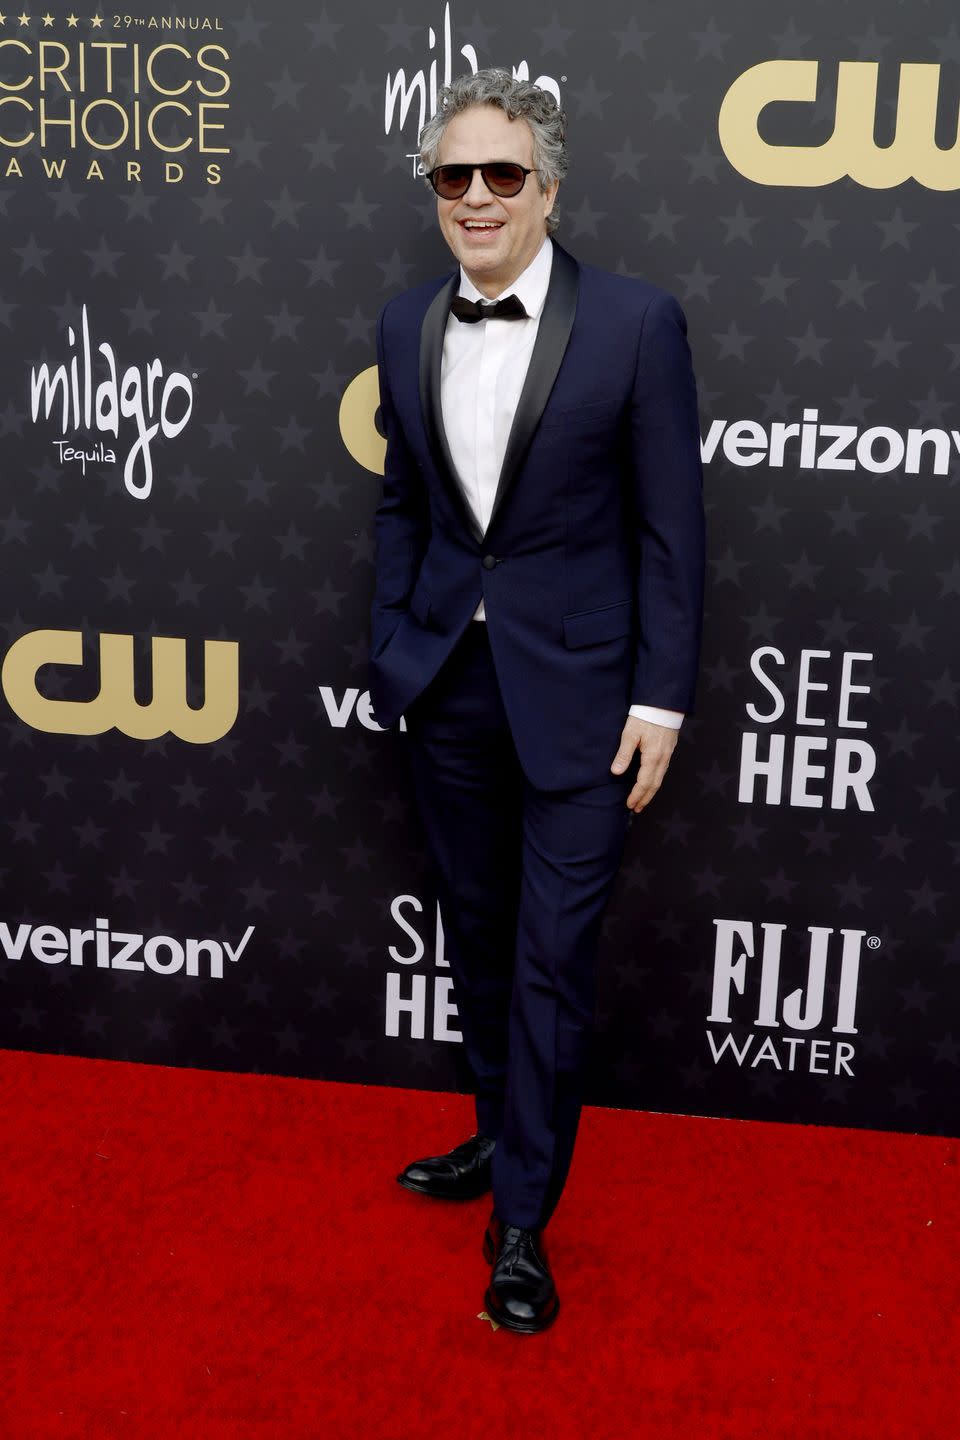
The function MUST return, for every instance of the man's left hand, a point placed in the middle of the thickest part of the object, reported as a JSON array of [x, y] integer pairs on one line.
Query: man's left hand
[[656, 744]]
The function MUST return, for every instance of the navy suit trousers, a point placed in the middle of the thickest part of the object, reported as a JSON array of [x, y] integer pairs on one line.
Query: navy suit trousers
[[523, 877]]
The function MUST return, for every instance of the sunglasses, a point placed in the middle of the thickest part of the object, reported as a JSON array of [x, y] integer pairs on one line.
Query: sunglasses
[[501, 177]]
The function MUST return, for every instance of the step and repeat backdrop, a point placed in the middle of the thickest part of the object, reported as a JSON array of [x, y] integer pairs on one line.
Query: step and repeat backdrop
[[211, 856]]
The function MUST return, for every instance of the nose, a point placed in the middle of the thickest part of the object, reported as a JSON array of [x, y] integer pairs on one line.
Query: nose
[[477, 192]]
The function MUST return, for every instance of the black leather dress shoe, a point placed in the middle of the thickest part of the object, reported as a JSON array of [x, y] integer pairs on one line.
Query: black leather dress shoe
[[463, 1174], [521, 1294]]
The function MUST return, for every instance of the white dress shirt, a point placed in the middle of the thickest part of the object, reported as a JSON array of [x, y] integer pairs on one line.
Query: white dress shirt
[[482, 372]]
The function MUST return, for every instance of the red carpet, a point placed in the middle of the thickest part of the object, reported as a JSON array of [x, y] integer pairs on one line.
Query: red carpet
[[191, 1254]]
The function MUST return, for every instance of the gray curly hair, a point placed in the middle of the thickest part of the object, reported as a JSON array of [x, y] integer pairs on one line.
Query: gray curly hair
[[519, 100]]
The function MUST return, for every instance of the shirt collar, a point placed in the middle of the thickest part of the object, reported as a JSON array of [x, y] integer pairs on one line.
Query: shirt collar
[[531, 286]]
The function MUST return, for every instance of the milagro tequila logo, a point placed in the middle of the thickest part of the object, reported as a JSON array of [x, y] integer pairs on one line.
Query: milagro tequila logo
[[146, 398], [418, 95]]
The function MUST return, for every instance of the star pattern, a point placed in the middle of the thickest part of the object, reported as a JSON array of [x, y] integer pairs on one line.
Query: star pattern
[[260, 529]]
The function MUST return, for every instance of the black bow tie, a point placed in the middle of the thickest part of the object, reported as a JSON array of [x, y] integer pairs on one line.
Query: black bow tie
[[509, 308]]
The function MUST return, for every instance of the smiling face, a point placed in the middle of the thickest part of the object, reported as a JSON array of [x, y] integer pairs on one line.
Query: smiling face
[[495, 252]]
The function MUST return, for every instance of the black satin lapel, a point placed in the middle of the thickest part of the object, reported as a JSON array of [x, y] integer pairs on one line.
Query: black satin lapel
[[549, 348], [431, 355]]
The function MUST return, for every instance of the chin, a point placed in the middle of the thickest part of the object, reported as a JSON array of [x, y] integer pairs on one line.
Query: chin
[[483, 257]]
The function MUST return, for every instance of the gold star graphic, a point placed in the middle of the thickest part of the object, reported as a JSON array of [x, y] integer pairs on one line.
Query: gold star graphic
[[24, 19], [96, 21], [47, 20], [72, 22]]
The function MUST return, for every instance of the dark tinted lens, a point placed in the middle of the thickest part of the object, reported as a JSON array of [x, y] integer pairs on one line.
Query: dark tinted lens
[[503, 178], [451, 181]]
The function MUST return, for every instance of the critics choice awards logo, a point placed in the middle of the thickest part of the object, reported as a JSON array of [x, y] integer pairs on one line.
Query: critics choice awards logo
[[151, 93]]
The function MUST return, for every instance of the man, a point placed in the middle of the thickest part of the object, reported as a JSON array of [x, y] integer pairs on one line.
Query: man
[[537, 620]]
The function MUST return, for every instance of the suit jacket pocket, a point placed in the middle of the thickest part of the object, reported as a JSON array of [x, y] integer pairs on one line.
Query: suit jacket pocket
[[571, 416], [590, 627]]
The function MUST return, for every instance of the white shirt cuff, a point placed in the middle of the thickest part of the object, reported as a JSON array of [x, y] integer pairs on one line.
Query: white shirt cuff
[[672, 719]]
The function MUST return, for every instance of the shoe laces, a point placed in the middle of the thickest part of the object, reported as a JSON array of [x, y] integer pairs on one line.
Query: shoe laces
[[514, 1240], [469, 1147]]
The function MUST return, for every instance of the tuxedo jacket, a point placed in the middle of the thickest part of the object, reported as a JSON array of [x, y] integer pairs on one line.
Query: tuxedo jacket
[[591, 566]]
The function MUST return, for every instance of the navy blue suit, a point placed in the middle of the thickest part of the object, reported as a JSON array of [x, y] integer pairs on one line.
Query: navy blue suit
[[591, 572]]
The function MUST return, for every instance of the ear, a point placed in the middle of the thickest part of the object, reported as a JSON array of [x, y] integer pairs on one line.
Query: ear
[[549, 197]]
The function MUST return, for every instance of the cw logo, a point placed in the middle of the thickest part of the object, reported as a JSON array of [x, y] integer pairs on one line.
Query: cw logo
[[851, 149], [116, 706], [358, 421]]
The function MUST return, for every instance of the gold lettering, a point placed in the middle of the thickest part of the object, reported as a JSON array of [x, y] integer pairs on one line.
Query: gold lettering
[[19, 674], [213, 69], [152, 79], [116, 706], [851, 149], [47, 123], [358, 410], [744, 102], [108, 47], [920, 156], [87, 113], [17, 100], [5, 84], [57, 70], [203, 125], [168, 105]]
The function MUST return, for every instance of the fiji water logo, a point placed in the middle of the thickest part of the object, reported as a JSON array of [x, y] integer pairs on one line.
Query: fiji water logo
[[782, 992], [89, 407], [417, 95]]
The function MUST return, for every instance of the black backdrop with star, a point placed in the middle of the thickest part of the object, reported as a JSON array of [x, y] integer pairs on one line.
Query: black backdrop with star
[[203, 222]]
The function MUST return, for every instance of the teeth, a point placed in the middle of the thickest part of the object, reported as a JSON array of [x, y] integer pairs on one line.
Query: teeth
[[481, 224]]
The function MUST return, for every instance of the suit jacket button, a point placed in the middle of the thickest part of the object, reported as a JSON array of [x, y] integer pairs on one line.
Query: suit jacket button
[[489, 561]]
